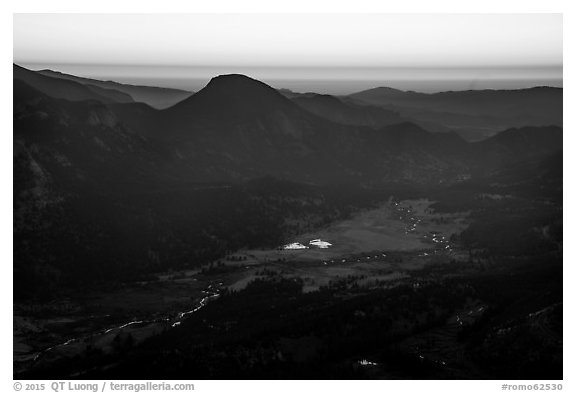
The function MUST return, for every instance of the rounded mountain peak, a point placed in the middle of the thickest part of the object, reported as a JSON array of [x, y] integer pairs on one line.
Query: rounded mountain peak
[[234, 95], [232, 84]]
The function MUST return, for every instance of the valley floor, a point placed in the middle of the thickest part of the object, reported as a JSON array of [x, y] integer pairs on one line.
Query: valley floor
[[398, 245]]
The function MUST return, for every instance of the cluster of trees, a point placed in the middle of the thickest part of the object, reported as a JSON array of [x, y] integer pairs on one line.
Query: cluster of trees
[[271, 329]]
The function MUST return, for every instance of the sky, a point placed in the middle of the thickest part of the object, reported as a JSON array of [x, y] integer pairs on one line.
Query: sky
[[328, 53]]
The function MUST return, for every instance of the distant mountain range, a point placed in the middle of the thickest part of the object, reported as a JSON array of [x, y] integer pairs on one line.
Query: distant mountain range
[[67, 89], [156, 97], [534, 102], [474, 114], [238, 128]]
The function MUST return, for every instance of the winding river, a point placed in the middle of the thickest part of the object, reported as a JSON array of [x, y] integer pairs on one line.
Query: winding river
[[105, 340]]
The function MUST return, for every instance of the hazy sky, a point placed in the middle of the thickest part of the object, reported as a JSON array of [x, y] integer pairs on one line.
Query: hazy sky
[[330, 52]]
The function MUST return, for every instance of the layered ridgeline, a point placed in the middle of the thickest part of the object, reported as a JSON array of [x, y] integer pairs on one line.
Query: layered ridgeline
[[339, 111], [156, 97], [237, 128], [68, 90], [124, 188], [474, 114]]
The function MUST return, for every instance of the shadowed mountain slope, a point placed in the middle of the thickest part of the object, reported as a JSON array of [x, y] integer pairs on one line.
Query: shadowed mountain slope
[[334, 109], [474, 114], [68, 90], [541, 102], [156, 97], [238, 128]]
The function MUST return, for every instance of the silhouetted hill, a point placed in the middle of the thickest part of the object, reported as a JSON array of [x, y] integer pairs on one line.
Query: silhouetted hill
[[231, 98], [66, 89], [156, 97], [239, 128]]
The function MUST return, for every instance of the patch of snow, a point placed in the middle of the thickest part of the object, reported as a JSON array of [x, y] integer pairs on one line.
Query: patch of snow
[[320, 243], [294, 246]]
